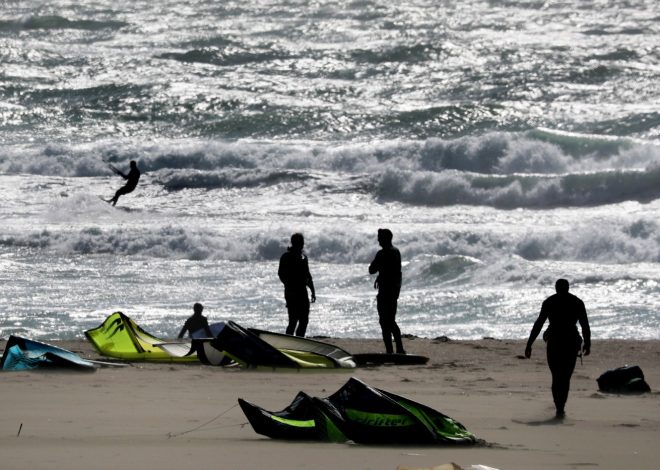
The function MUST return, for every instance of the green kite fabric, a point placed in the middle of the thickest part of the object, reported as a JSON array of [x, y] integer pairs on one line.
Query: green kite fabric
[[120, 337], [358, 413]]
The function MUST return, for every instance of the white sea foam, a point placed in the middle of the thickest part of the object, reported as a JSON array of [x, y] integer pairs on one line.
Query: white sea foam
[[628, 240], [491, 154]]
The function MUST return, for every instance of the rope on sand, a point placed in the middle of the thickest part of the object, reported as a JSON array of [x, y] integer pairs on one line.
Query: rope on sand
[[196, 428]]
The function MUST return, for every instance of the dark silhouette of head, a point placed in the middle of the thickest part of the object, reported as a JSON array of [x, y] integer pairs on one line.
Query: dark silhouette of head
[[561, 286], [297, 241], [385, 237], [198, 308], [133, 164]]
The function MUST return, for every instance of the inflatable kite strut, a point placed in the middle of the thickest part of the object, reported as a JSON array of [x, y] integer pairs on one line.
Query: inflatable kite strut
[[253, 348]]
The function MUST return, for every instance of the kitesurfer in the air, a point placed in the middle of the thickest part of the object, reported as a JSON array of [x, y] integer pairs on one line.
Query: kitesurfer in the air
[[294, 274], [196, 322], [387, 264], [131, 178], [564, 311]]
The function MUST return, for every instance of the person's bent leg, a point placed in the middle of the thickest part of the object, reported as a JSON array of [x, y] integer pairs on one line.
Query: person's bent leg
[[120, 192]]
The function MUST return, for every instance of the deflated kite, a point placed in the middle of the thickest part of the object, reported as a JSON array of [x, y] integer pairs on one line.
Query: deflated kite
[[119, 336], [26, 354], [252, 348], [359, 413]]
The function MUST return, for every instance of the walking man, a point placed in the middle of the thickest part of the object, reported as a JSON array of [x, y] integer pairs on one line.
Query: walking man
[[564, 311]]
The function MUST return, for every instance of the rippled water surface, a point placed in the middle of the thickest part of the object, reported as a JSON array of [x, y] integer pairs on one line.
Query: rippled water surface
[[506, 144]]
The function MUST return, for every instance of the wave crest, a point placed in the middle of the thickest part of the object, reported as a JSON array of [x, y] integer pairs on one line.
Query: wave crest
[[446, 254], [55, 22], [529, 191]]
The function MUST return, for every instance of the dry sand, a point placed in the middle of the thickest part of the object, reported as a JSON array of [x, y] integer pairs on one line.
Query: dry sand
[[172, 416]]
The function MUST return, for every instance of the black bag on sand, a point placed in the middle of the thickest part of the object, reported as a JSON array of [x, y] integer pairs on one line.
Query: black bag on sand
[[626, 379]]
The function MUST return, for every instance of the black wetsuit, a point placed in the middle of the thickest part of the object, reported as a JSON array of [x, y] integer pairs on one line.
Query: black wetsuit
[[387, 264], [294, 274], [131, 178], [564, 311], [196, 323]]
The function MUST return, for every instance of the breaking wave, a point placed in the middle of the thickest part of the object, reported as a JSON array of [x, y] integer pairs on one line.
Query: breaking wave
[[629, 241], [537, 169]]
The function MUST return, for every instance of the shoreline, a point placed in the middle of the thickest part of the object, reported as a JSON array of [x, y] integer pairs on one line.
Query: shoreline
[[169, 415]]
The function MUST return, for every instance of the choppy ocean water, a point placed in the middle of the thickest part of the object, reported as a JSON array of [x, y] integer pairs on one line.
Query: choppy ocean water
[[505, 144]]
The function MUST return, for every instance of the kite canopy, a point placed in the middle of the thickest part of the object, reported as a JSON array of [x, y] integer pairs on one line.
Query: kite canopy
[[26, 354], [298, 421], [119, 336], [360, 413], [256, 348]]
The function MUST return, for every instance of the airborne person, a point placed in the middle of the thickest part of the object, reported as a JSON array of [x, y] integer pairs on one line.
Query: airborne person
[[131, 178]]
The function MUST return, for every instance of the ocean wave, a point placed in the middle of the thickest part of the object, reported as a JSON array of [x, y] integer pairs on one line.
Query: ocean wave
[[633, 241], [535, 152], [229, 178], [442, 255], [226, 56], [401, 53], [513, 191], [107, 98], [55, 22], [434, 269], [536, 169]]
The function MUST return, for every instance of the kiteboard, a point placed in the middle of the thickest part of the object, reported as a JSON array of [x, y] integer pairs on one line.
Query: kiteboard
[[376, 359]]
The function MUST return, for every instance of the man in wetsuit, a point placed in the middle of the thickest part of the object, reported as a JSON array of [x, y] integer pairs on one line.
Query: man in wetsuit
[[564, 311], [196, 322], [132, 178], [294, 274], [387, 264]]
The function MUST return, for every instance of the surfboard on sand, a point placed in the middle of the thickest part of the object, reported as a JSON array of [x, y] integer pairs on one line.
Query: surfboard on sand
[[367, 359]]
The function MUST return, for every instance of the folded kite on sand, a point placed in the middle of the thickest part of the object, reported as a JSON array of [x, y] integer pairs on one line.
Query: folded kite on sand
[[120, 337], [359, 413], [253, 348], [26, 354]]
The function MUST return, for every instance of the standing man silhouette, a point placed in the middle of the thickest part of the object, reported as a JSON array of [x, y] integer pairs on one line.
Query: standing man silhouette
[[387, 264], [294, 274], [131, 178], [564, 311]]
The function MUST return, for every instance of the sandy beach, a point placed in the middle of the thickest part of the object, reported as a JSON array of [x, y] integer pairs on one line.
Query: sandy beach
[[168, 416]]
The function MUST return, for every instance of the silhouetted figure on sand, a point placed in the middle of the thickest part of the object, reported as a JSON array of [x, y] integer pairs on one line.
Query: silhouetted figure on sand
[[131, 178], [387, 264], [564, 311], [196, 322], [294, 274]]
